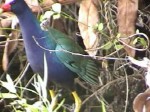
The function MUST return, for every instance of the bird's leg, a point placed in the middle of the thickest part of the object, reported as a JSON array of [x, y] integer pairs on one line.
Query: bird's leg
[[54, 99], [77, 101]]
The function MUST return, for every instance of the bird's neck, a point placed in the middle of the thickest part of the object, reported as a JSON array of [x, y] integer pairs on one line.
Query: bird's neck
[[29, 23], [30, 29]]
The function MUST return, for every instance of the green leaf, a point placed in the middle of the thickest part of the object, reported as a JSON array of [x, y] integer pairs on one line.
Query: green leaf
[[56, 16], [107, 46], [59, 105], [8, 95], [1, 11], [118, 47], [103, 106], [135, 41], [42, 87], [36, 107], [9, 85], [118, 35], [137, 31], [21, 102], [46, 15], [45, 78], [143, 42], [100, 27], [56, 7]]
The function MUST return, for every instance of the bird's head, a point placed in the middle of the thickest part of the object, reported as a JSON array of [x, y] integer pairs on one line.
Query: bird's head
[[15, 6]]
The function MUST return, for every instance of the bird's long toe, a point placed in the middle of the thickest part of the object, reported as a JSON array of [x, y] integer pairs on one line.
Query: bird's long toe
[[78, 101], [54, 99]]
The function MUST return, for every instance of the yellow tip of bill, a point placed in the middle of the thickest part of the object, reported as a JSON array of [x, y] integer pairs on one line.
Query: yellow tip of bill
[[1, 10]]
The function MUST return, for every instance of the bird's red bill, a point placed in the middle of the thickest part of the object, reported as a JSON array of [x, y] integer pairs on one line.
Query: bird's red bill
[[6, 7]]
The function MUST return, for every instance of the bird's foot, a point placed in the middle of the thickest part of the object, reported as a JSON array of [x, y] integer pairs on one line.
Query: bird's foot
[[54, 99], [78, 102]]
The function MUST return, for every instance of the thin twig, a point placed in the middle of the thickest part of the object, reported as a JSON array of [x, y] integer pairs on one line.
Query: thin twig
[[78, 54], [142, 34], [14, 40]]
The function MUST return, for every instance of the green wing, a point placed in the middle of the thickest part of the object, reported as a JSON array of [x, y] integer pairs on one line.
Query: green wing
[[85, 67]]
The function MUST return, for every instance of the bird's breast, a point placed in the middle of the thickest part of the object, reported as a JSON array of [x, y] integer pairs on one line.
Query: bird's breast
[[57, 71]]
